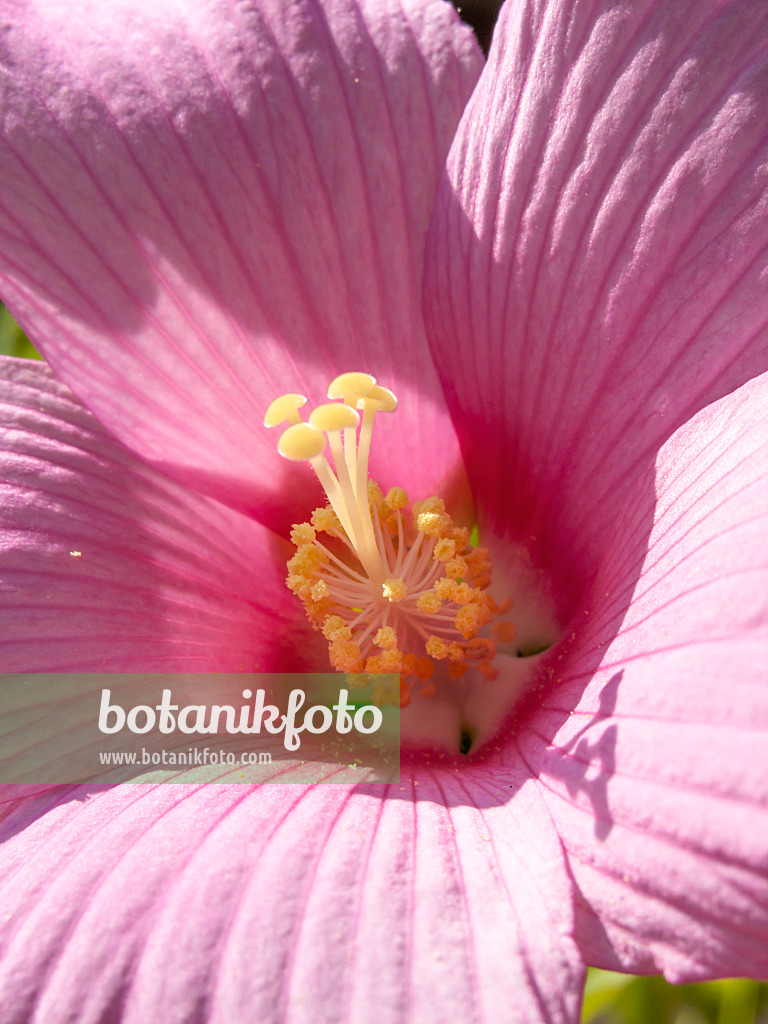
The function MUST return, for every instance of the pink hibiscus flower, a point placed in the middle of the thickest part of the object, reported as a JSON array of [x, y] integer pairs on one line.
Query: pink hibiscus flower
[[561, 273]]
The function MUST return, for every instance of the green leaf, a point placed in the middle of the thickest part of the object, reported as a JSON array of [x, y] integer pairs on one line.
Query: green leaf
[[13, 341], [611, 998]]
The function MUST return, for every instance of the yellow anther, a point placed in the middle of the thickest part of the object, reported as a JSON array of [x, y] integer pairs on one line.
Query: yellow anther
[[436, 648], [456, 568], [307, 559], [445, 549], [394, 589], [431, 517], [301, 442], [316, 611], [480, 557], [373, 664], [386, 638], [380, 399], [391, 661], [302, 533], [326, 520], [429, 505], [286, 407], [447, 590], [375, 496], [299, 585], [427, 523], [319, 590], [334, 625], [455, 652], [396, 499], [469, 619], [345, 655], [461, 535], [429, 603], [351, 386], [334, 416], [459, 593]]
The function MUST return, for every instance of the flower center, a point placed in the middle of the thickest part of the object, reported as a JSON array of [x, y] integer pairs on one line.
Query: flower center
[[394, 587]]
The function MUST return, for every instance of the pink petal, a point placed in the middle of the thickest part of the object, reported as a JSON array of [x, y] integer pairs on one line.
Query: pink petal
[[203, 206], [328, 903], [603, 231], [656, 781], [107, 564]]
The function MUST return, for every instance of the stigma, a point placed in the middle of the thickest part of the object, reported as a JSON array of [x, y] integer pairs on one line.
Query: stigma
[[395, 587]]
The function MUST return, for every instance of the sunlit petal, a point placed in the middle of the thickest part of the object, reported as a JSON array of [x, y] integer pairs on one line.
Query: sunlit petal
[[602, 229], [656, 777], [106, 563], [206, 205]]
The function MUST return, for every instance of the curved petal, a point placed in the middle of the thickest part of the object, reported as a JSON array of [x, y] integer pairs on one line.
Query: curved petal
[[603, 225], [107, 564], [441, 901], [656, 781], [207, 205]]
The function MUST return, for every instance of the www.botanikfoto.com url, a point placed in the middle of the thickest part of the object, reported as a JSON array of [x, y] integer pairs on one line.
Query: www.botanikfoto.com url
[[192, 756]]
